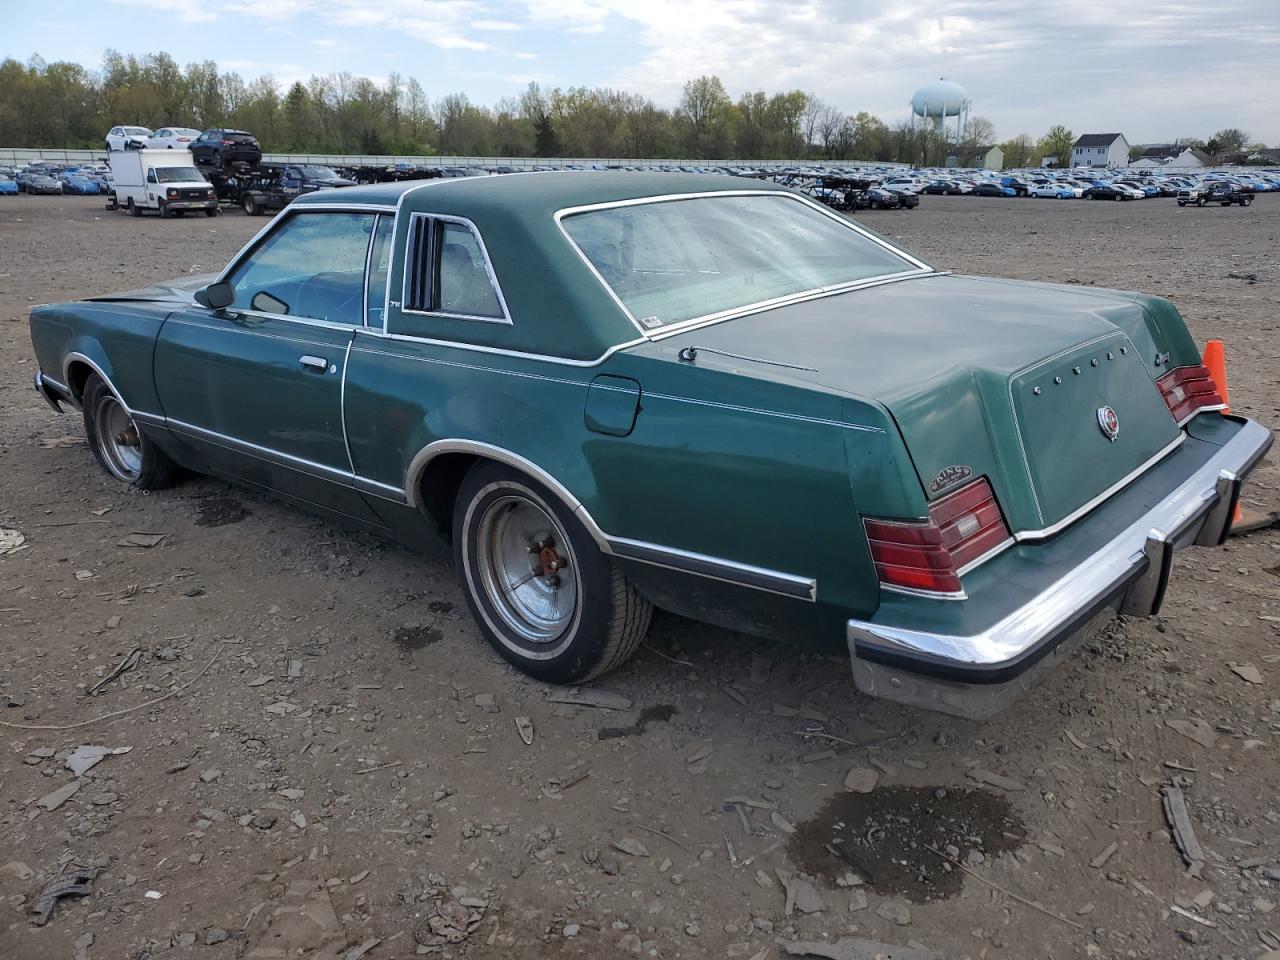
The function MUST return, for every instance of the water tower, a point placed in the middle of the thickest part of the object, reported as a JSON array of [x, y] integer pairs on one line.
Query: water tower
[[940, 101]]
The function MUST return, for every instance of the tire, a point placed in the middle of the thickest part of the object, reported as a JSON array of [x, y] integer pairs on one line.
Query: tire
[[1182, 203], [212, 212], [107, 144], [249, 206], [507, 526], [134, 209], [1245, 201], [1200, 202], [120, 448], [165, 212]]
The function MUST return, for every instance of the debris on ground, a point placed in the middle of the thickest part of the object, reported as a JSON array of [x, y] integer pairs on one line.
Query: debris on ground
[[128, 663], [52, 801], [85, 758], [601, 699], [801, 894], [1008, 784], [1184, 834], [1194, 728], [11, 541], [861, 779], [144, 540], [524, 727], [450, 921], [1245, 671], [76, 883], [857, 948], [303, 922]]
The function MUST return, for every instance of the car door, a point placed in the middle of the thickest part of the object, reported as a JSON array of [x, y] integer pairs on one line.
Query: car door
[[256, 391]]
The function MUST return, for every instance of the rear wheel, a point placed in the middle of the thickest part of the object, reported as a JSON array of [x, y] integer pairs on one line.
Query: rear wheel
[[134, 209], [118, 445], [211, 212], [249, 206], [544, 595], [1245, 201]]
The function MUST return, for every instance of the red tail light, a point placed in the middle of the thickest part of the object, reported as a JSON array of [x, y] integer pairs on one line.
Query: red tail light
[[930, 555], [1188, 390]]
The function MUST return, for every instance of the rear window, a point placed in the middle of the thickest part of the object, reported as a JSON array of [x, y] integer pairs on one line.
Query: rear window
[[672, 261]]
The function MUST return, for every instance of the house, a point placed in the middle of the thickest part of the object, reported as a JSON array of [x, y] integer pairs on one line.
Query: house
[[983, 158], [1173, 157], [1100, 150]]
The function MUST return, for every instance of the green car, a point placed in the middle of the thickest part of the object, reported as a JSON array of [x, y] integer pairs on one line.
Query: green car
[[609, 391]]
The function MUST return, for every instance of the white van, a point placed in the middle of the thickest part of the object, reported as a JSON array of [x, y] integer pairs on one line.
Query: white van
[[164, 180]]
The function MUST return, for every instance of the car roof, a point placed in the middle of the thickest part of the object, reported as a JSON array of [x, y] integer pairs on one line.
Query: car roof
[[535, 194]]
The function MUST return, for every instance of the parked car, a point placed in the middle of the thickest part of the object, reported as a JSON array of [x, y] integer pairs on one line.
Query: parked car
[[77, 184], [993, 190], [1053, 191], [1222, 192], [907, 199], [43, 183], [8, 186], [1109, 191], [162, 180], [581, 387], [222, 147], [305, 177], [127, 138], [943, 187], [880, 198], [172, 138]]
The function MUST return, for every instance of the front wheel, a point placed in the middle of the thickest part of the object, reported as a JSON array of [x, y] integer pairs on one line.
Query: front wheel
[[211, 212], [118, 445], [249, 206], [1245, 201], [165, 212], [544, 595], [1201, 202]]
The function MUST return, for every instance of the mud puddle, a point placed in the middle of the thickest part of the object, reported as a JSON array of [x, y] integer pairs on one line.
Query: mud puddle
[[414, 636], [220, 512], [659, 713], [884, 837]]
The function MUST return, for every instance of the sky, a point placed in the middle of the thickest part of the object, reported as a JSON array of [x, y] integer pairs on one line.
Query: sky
[[1154, 70]]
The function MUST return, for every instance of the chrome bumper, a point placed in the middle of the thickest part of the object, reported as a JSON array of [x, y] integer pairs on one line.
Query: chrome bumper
[[53, 392], [978, 674]]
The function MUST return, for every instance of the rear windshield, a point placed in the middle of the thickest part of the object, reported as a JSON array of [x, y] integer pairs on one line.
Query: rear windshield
[[177, 174], [677, 260]]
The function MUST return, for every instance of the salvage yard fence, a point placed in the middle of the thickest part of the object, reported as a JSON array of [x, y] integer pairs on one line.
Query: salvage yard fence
[[13, 156]]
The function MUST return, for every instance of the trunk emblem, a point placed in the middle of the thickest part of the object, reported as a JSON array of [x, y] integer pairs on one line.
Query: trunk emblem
[[1108, 423], [949, 477]]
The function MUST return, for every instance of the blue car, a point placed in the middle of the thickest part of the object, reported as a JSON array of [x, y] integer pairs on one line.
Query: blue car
[[74, 183], [8, 185]]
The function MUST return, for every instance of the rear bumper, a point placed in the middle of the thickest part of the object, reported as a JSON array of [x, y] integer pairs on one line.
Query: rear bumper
[[1052, 593]]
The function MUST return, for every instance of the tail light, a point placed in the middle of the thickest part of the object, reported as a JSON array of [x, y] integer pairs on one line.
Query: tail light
[[1188, 390], [931, 555]]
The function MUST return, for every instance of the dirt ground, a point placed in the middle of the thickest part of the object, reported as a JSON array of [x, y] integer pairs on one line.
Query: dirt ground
[[347, 775]]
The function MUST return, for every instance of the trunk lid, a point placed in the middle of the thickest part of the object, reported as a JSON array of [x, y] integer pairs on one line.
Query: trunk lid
[[983, 378]]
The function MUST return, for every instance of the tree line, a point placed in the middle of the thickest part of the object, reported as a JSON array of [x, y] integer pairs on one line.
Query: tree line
[[64, 105]]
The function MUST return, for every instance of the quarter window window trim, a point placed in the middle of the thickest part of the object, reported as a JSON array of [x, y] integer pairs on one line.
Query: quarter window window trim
[[422, 269]]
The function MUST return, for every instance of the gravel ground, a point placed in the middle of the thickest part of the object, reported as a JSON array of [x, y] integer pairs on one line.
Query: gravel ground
[[348, 771]]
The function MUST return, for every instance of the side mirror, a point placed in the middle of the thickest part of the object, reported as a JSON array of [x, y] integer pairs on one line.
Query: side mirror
[[216, 296]]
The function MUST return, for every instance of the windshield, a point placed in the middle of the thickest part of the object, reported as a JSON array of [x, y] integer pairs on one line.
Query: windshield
[[178, 174], [672, 261], [134, 131], [312, 172]]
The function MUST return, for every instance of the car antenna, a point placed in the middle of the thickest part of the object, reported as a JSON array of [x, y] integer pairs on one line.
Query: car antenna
[[690, 355]]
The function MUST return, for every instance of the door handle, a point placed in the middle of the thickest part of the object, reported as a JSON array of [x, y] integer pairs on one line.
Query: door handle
[[315, 363]]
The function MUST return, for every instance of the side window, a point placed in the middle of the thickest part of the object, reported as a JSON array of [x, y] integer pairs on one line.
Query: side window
[[151, 176], [447, 272], [311, 266], [379, 266], [464, 288]]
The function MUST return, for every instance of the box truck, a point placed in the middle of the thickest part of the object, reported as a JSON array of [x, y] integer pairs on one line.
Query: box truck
[[163, 180]]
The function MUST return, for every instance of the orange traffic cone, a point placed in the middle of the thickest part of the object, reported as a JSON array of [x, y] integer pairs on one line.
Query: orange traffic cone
[[1215, 359]]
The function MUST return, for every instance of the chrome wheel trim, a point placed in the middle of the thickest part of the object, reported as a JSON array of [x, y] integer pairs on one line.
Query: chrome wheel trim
[[515, 540], [117, 439]]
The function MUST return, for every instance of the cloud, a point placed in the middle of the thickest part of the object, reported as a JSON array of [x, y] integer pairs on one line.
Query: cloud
[[499, 25]]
